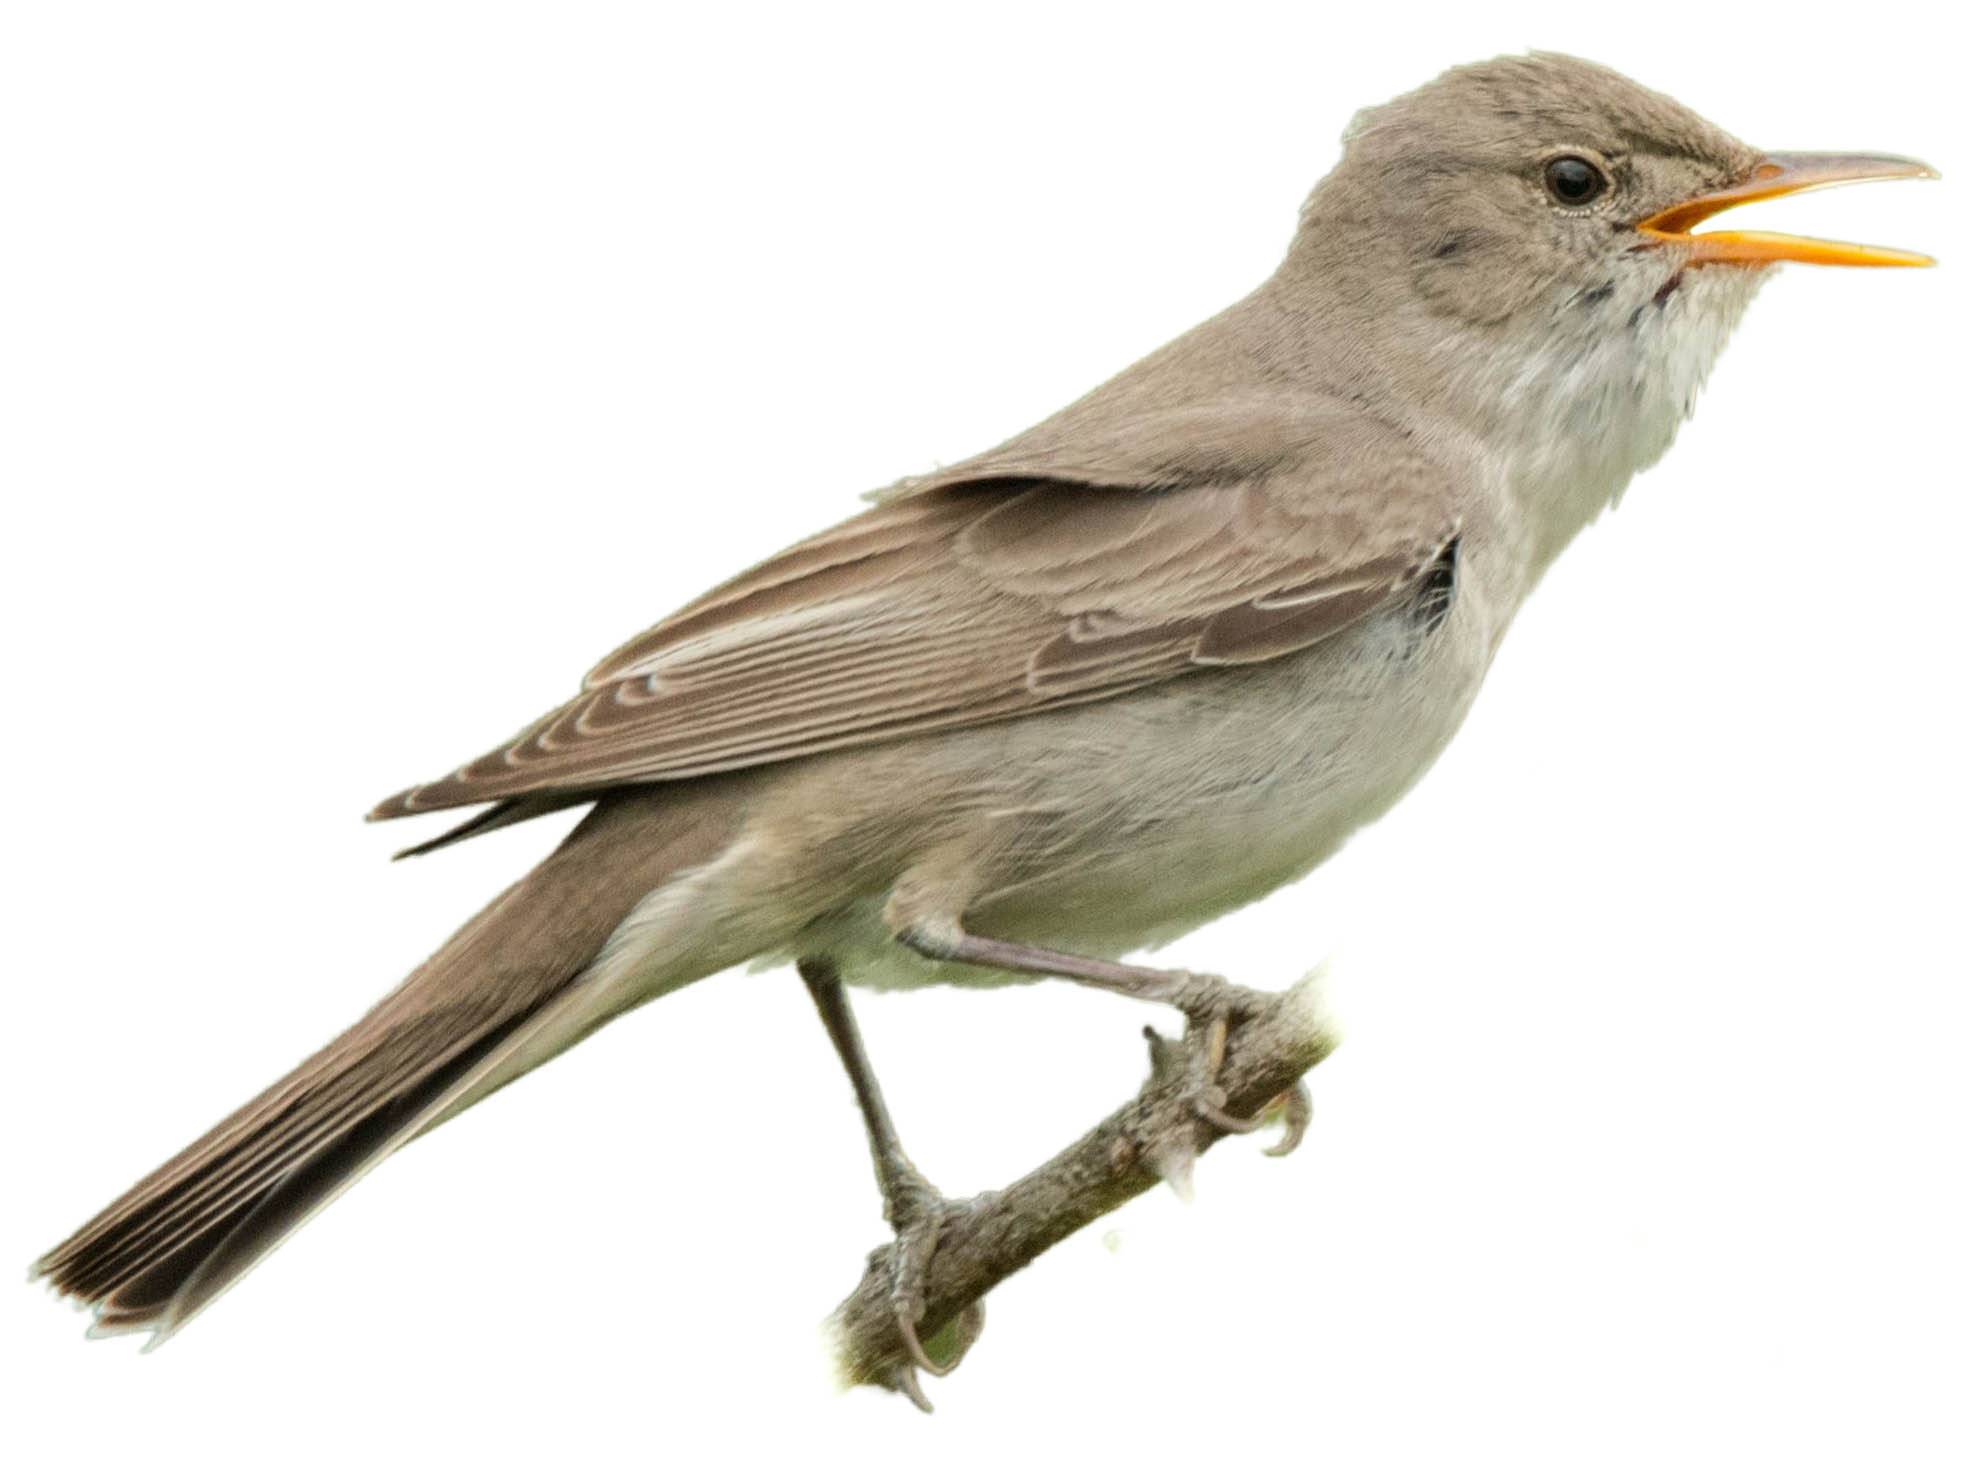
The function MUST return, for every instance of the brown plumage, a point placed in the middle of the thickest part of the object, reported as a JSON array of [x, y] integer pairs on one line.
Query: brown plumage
[[1021, 581], [188, 1230], [1138, 666]]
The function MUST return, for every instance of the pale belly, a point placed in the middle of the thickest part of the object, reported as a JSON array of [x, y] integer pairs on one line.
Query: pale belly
[[1124, 825]]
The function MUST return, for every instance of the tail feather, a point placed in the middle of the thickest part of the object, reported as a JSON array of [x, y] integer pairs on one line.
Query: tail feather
[[181, 1236], [131, 1265], [504, 814], [166, 1293]]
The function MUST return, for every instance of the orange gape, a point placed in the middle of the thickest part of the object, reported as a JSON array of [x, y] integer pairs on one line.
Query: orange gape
[[1784, 175]]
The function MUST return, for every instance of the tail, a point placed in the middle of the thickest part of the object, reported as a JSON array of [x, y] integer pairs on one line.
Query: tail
[[446, 1037]]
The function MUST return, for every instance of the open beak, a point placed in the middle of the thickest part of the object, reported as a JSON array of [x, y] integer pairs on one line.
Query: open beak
[[1783, 175]]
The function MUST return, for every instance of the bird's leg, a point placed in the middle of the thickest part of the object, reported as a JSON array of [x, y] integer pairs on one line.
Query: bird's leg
[[1212, 1005], [914, 1208]]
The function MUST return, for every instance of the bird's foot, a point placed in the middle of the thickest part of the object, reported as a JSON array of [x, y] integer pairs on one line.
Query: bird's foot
[[917, 1211], [1214, 1007]]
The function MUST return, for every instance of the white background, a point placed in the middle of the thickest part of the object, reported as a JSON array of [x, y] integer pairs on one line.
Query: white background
[[371, 369]]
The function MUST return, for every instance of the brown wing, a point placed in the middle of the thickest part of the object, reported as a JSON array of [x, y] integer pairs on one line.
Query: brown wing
[[968, 603]]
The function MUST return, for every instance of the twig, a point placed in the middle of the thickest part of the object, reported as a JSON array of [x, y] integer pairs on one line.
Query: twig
[[1153, 1137]]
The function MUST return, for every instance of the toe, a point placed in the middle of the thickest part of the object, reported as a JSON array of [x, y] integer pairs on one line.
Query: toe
[[916, 1351], [912, 1259]]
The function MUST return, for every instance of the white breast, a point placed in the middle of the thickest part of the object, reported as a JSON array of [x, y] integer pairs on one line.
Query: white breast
[[1577, 401]]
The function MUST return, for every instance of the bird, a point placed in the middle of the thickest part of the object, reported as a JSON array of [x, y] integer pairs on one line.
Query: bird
[[1045, 708]]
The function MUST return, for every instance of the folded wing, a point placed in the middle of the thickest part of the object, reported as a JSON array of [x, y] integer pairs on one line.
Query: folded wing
[[972, 599]]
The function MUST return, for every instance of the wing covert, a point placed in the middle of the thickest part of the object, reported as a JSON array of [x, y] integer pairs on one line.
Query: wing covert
[[972, 599]]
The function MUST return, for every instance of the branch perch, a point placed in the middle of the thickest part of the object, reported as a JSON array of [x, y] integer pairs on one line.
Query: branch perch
[[1154, 1137]]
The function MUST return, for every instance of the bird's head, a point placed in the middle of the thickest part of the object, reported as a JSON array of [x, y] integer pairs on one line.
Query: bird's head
[[1539, 182], [1512, 248]]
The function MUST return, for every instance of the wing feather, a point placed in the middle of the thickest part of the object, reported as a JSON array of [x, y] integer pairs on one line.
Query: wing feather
[[971, 601]]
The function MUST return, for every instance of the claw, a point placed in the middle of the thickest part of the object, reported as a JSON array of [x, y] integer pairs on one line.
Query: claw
[[1211, 1004], [1174, 1163], [912, 1254], [1296, 1121], [921, 1215], [906, 1381]]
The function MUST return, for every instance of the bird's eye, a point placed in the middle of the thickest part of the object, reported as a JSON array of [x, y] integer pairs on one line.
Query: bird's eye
[[1573, 181]]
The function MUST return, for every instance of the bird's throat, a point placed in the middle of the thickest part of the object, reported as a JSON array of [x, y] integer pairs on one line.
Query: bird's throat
[[1574, 403]]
